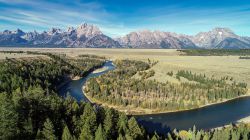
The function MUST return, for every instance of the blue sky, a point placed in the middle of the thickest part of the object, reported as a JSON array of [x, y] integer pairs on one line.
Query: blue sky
[[119, 17]]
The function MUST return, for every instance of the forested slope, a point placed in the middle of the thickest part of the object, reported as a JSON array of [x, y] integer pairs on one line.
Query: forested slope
[[31, 109]]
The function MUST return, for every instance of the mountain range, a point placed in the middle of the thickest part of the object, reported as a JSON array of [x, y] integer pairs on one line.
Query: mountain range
[[90, 36]]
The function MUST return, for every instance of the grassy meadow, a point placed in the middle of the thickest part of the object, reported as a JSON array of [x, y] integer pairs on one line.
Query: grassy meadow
[[168, 60]]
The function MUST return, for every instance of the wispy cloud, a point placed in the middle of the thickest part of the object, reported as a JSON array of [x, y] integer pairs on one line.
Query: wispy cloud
[[119, 18], [48, 14]]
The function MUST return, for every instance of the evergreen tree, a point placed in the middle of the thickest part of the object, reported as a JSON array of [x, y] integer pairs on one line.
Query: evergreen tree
[[66, 134], [86, 133], [88, 119], [205, 137], [120, 137], [122, 123], [108, 123], [48, 130], [88, 110], [39, 135], [99, 134], [134, 128], [27, 128], [155, 137], [8, 118], [128, 137], [169, 137]]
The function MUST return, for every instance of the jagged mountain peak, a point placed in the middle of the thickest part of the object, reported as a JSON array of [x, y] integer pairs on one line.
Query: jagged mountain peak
[[70, 29], [18, 31], [6, 32], [144, 31], [85, 25], [88, 30], [222, 29], [212, 38], [54, 31], [218, 31]]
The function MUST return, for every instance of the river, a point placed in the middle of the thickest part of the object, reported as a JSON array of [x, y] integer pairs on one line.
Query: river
[[204, 118]]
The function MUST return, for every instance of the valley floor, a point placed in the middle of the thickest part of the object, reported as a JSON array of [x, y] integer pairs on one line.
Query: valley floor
[[168, 60]]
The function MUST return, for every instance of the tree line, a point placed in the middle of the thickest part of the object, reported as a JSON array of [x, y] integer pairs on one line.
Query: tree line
[[209, 82], [244, 57], [215, 52]]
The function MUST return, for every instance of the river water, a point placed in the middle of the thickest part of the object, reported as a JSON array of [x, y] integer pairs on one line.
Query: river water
[[203, 118], [74, 88]]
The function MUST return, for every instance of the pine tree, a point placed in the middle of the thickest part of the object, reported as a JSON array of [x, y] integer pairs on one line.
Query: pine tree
[[39, 135], [88, 110], [8, 118], [27, 127], [169, 137], [128, 137], [89, 118], [86, 133], [77, 125], [108, 123], [48, 130], [134, 128], [122, 124], [245, 136], [198, 135], [155, 137], [66, 134], [205, 137], [120, 137], [99, 134]]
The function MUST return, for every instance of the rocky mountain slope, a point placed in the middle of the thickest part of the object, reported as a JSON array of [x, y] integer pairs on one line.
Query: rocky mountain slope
[[220, 38], [216, 38], [155, 39], [90, 36]]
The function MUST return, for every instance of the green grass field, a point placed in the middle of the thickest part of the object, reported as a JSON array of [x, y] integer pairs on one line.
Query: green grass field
[[168, 60]]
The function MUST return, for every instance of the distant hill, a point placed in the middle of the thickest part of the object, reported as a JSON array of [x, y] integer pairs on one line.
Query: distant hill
[[90, 36]]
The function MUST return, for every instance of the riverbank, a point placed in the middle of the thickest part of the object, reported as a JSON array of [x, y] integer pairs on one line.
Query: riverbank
[[69, 78], [100, 70], [244, 120], [66, 80], [141, 111]]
